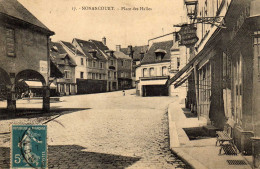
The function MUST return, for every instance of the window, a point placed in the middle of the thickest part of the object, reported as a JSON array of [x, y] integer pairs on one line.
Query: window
[[94, 64], [145, 72], [67, 74], [97, 76], [101, 65], [133, 73], [122, 74], [151, 71], [122, 62], [112, 62], [100, 76], [81, 61], [81, 75], [109, 75], [61, 87], [159, 56], [164, 70], [115, 75], [89, 63], [10, 42], [93, 75], [178, 62]]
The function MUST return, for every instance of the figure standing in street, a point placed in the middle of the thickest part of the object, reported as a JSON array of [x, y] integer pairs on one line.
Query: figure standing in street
[[123, 92], [29, 96]]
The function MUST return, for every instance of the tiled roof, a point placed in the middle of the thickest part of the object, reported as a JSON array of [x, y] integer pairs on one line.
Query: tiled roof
[[137, 51], [58, 54], [99, 44], [150, 56], [14, 9], [57, 46], [121, 55], [72, 48], [89, 46]]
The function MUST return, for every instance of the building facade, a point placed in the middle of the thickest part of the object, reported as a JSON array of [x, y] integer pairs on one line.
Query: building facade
[[94, 77], [67, 84], [124, 69], [24, 46], [153, 71], [223, 73], [137, 54]]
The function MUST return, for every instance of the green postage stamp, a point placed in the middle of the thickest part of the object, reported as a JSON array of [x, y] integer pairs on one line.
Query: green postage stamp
[[29, 146]]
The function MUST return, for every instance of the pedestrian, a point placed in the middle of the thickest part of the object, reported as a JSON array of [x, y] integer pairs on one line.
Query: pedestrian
[[29, 96], [123, 92]]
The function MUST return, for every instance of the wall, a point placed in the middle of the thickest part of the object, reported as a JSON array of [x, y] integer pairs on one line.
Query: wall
[[30, 49]]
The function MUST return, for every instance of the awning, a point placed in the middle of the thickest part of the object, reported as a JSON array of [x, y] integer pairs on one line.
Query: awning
[[34, 84], [53, 86], [180, 73], [183, 78], [38, 84]]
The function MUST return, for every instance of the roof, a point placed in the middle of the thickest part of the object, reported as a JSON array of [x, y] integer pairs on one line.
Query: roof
[[15, 9], [150, 56], [58, 47], [89, 46], [72, 48], [121, 55], [58, 54], [137, 51], [100, 45]]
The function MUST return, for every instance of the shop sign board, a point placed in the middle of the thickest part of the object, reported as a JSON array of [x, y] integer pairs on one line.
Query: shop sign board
[[188, 35]]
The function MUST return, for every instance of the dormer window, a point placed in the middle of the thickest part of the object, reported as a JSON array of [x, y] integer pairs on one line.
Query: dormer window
[[159, 56], [159, 53]]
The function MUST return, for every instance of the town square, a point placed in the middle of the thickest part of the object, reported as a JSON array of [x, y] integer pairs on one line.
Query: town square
[[130, 84]]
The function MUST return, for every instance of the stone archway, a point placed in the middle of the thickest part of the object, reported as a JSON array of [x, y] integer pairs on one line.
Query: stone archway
[[34, 76]]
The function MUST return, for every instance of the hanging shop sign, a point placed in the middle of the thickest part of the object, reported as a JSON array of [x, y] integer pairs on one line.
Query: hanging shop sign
[[188, 35]]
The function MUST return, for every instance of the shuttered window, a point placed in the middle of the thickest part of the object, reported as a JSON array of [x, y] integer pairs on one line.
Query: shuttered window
[[10, 42]]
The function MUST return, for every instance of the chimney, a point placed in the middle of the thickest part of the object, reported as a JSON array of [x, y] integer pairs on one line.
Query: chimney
[[130, 51], [118, 48], [104, 40]]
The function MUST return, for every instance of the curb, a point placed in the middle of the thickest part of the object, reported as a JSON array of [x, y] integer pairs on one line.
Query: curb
[[175, 145]]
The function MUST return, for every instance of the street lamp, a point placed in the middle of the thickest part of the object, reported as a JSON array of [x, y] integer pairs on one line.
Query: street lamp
[[191, 6]]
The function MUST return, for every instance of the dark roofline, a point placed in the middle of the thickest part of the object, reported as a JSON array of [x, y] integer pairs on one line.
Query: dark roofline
[[22, 23]]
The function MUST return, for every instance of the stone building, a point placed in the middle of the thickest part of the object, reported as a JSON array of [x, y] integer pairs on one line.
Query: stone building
[[137, 54], [67, 84], [24, 51], [93, 76], [224, 70], [124, 69], [153, 71]]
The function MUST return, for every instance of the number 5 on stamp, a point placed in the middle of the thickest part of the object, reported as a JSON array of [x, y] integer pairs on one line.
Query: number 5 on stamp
[[29, 146]]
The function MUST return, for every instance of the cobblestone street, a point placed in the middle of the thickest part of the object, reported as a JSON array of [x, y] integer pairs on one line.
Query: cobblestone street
[[114, 131]]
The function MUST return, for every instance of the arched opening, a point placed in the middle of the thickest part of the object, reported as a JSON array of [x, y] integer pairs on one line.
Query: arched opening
[[30, 88]]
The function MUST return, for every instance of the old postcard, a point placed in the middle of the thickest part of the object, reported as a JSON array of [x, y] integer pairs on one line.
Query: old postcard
[[142, 84]]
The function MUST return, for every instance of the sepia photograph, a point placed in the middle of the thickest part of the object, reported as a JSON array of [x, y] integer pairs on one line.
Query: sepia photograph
[[130, 84]]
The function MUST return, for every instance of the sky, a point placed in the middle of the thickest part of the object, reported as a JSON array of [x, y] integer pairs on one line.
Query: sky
[[120, 27]]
